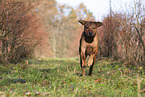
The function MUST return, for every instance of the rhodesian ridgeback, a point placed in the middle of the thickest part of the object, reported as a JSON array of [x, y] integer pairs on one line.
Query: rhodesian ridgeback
[[88, 44]]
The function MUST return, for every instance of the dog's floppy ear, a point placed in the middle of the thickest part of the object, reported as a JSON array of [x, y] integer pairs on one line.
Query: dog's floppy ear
[[82, 22], [98, 24]]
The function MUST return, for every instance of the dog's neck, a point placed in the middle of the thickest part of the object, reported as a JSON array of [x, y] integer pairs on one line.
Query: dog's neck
[[88, 39]]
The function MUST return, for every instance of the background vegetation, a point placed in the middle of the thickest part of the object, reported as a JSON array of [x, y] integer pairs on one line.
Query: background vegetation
[[39, 29], [30, 28]]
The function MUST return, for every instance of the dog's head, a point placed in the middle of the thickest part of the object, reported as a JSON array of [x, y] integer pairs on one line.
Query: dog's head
[[90, 27]]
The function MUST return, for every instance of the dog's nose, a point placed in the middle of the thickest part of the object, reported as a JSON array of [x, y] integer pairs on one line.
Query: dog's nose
[[90, 33]]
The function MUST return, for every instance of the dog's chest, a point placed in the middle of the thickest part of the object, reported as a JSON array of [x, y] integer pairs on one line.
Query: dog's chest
[[89, 50]]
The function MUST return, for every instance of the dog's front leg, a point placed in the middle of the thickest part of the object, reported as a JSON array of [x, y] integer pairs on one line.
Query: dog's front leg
[[91, 67], [90, 61], [83, 61], [92, 57]]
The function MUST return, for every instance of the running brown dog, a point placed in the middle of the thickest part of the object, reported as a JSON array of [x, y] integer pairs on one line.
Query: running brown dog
[[88, 44]]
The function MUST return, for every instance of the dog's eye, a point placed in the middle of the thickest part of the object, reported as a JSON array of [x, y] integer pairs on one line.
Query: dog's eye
[[87, 27]]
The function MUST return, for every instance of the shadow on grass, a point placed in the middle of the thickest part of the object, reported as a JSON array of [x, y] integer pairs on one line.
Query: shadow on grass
[[5, 82], [46, 70], [79, 74]]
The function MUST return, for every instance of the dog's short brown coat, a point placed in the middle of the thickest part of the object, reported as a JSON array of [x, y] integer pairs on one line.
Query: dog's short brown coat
[[88, 44]]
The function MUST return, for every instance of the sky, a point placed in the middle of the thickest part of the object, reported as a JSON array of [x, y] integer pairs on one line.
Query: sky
[[100, 8]]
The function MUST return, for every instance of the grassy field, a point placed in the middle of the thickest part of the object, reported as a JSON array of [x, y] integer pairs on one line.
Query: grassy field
[[62, 78]]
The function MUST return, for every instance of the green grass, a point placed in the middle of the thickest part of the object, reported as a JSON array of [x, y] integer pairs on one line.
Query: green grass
[[62, 77]]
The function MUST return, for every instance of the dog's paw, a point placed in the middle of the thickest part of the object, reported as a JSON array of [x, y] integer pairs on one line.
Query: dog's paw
[[90, 61], [84, 66], [88, 65]]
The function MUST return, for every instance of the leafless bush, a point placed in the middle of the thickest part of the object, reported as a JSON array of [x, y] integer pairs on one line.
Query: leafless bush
[[18, 35]]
